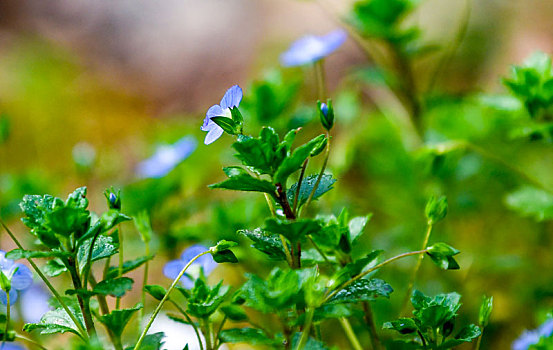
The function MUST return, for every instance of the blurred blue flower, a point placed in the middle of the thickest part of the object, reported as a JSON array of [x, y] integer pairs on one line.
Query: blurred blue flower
[[204, 263], [311, 48], [166, 158], [232, 98], [11, 346], [532, 337], [34, 303], [19, 275]]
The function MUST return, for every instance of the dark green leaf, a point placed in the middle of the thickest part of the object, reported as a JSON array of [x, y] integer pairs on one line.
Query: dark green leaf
[[104, 247], [157, 291], [311, 344], [251, 336], [116, 287], [236, 117], [151, 342], [295, 160], [354, 268], [246, 182], [234, 313], [292, 230], [54, 321], [325, 185], [402, 325], [54, 268], [116, 320], [224, 256], [269, 244], [442, 255], [363, 290], [128, 266], [436, 209], [227, 124], [223, 245], [466, 335], [17, 254]]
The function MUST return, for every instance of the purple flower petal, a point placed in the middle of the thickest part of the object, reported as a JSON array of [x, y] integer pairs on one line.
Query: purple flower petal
[[213, 134], [232, 97], [312, 48], [34, 303], [173, 268], [22, 278], [11, 346], [204, 262], [214, 111]]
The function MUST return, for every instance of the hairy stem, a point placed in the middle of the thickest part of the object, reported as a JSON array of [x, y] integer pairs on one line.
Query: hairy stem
[[189, 320], [160, 305], [321, 173], [121, 262], [369, 319], [84, 301], [298, 187], [58, 297], [306, 327], [30, 341]]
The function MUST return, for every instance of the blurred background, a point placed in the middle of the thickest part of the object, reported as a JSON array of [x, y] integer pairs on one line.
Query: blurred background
[[91, 89]]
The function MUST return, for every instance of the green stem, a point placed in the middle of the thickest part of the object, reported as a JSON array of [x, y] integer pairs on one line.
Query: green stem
[[363, 274], [49, 285], [321, 173], [321, 79], [478, 341], [415, 271], [121, 262], [30, 341], [207, 327], [306, 327], [298, 187], [350, 334], [189, 320], [270, 204], [86, 269], [160, 305], [145, 278], [217, 340], [84, 302], [369, 319], [318, 249]]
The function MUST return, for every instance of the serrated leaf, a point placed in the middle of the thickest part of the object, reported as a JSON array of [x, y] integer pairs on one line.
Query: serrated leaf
[[156, 291], [54, 321], [151, 342], [17, 254], [224, 256], [269, 244], [234, 313], [294, 162], [292, 230], [402, 325], [54, 268], [325, 185], [362, 290], [116, 287], [116, 320], [260, 153], [246, 182], [251, 336], [466, 335], [104, 247]]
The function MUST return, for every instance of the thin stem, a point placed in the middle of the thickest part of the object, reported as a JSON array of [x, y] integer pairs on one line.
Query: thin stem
[[350, 334], [217, 340], [478, 341], [160, 305], [189, 320], [363, 274], [452, 49], [321, 80], [415, 270], [298, 187], [270, 204], [422, 338], [86, 269], [318, 249], [282, 239], [145, 278], [84, 301], [369, 319], [321, 173], [30, 341], [306, 327], [121, 262], [48, 284], [208, 343], [106, 268]]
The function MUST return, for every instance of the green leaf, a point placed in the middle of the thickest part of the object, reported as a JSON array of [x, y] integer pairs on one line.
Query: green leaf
[[236, 117], [223, 245], [224, 256], [295, 160], [157, 291], [54, 268], [292, 230], [143, 226], [485, 311], [112, 218], [262, 154], [356, 227], [251, 336], [442, 255], [402, 325], [435, 312], [128, 266], [104, 247], [227, 124], [234, 313], [204, 301], [325, 185], [246, 182], [311, 344], [354, 268], [151, 342], [362, 290], [67, 220], [116, 287], [17, 254], [116, 320], [436, 209], [54, 321], [269, 244], [533, 202], [466, 335]]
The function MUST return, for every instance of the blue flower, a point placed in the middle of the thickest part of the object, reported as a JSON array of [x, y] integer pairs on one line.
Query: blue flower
[[232, 99], [204, 263], [19, 275], [311, 48], [166, 158], [11, 346], [34, 303], [529, 338]]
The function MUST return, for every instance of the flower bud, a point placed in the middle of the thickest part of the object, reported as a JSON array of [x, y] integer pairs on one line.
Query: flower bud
[[326, 113], [113, 198]]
